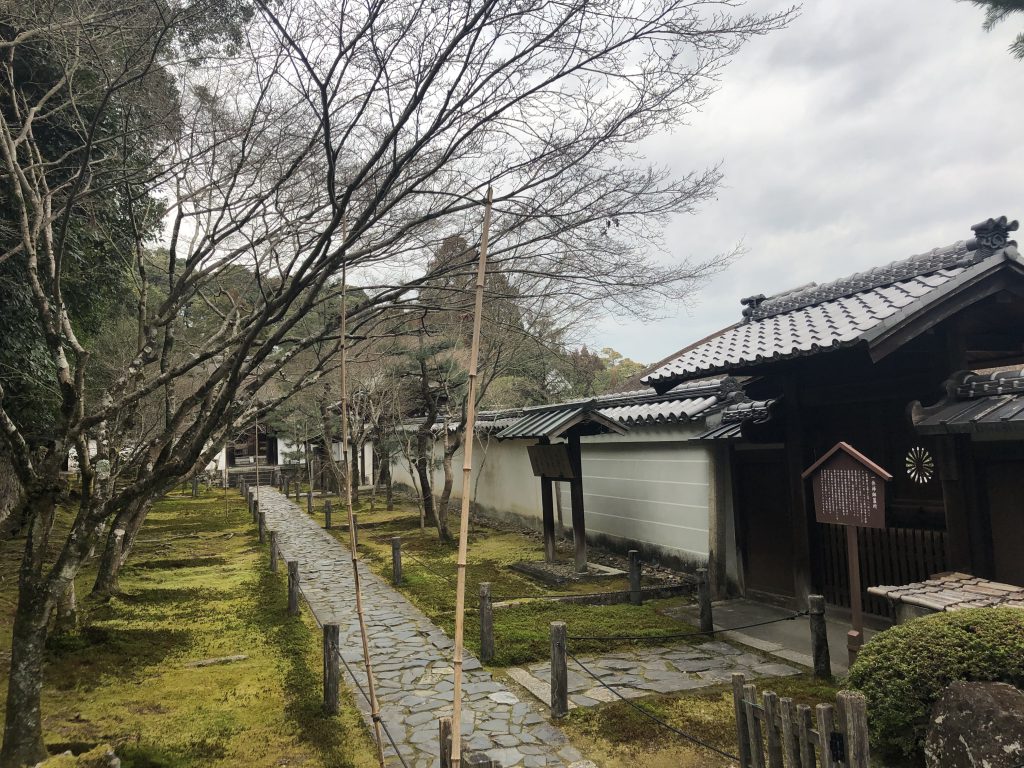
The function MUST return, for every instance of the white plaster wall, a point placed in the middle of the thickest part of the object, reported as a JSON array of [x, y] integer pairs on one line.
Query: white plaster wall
[[649, 487]]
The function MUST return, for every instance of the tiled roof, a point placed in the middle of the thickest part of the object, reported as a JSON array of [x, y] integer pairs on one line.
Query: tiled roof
[[734, 415], [816, 318], [976, 403], [953, 591], [644, 407]]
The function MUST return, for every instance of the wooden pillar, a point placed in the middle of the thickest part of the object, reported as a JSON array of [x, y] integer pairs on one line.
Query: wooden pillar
[[327, 514], [332, 671], [707, 622], [799, 523], [819, 637], [579, 526], [396, 560], [636, 596], [559, 671], [956, 502], [548, 508], [486, 624], [718, 472], [293, 587], [273, 551]]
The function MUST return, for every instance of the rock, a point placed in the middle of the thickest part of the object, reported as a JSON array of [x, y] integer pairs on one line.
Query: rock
[[976, 724]]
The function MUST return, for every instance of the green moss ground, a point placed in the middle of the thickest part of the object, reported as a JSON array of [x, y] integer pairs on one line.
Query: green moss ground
[[521, 631], [197, 587], [617, 736]]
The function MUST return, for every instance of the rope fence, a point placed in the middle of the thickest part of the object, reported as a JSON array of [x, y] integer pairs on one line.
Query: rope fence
[[383, 724], [697, 633]]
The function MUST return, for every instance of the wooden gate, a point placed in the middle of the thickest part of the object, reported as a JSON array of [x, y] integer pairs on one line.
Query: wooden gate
[[887, 556]]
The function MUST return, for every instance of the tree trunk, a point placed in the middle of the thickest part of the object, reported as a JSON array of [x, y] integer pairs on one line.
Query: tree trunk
[[66, 619], [120, 541], [389, 489], [446, 493], [23, 726], [426, 491], [354, 469]]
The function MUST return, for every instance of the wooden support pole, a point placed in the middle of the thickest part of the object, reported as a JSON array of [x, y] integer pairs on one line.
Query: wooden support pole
[[293, 587], [396, 560], [261, 524], [579, 525], [355, 530], [740, 713], [548, 517], [273, 551], [636, 597], [287, 487], [819, 637], [707, 623], [855, 637], [486, 624], [327, 514], [823, 713], [332, 671], [309, 501], [467, 471], [298, 490], [559, 671], [195, 487]]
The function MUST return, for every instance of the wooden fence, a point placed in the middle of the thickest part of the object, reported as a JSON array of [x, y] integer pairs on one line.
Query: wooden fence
[[777, 733], [887, 556]]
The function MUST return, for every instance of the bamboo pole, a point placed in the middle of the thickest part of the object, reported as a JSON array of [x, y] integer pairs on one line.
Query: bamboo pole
[[467, 468], [370, 686]]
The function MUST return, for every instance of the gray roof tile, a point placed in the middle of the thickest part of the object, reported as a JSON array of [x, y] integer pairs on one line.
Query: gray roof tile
[[815, 318]]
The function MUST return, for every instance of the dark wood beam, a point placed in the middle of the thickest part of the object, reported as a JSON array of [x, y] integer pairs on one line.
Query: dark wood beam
[[579, 527]]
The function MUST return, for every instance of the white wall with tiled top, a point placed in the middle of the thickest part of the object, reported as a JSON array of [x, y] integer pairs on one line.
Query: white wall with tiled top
[[648, 489]]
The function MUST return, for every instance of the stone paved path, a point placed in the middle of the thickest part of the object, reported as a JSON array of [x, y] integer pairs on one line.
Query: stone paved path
[[411, 657], [645, 671]]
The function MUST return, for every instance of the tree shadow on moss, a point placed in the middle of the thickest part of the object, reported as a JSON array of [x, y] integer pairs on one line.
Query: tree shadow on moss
[[290, 638], [82, 659]]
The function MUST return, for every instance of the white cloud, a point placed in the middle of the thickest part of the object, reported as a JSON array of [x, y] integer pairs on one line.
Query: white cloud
[[865, 132]]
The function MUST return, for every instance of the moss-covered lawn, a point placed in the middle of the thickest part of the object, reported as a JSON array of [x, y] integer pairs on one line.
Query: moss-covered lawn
[[521, 631], [197, 587], [617, 736]]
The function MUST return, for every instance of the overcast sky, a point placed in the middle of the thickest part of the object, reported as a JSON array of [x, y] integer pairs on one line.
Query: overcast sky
[[867, 131]]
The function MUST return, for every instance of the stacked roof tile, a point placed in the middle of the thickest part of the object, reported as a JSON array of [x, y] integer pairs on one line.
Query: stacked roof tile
[[977, 403]]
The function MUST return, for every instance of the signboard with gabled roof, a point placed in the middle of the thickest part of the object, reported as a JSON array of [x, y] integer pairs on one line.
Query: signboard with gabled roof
[[849, 488]]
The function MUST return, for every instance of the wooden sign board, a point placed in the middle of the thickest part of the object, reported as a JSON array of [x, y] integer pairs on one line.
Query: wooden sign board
[[849, 488], [551, 461]]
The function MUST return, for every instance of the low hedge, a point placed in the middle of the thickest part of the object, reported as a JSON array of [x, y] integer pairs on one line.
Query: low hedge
[[903, 670]]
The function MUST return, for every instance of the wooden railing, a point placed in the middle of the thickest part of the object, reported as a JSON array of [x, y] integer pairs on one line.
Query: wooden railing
[[887, 556], [777, 733]]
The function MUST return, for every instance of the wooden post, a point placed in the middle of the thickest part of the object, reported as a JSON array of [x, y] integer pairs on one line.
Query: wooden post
[[579, 525], [396, 560], [444, 738], [855, 637], [486, 624], [261, 524], [287, 487], [355, 530], [740, 712], [195, 487], [707, 623], [298, 490], [790, 731], [753, 726], [332, 673], [804, 726], [825, 728], [273, 551], [636, 597], [819, 637], [559, 671], [857, 749], [293, 587], [327, 514], [309, 501], [771, 716], [548, 516]]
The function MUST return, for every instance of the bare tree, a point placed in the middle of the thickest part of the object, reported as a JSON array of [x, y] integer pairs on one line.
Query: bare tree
[[391, 116]]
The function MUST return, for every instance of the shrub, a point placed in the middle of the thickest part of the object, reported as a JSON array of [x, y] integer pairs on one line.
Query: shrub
[[903, 670]]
